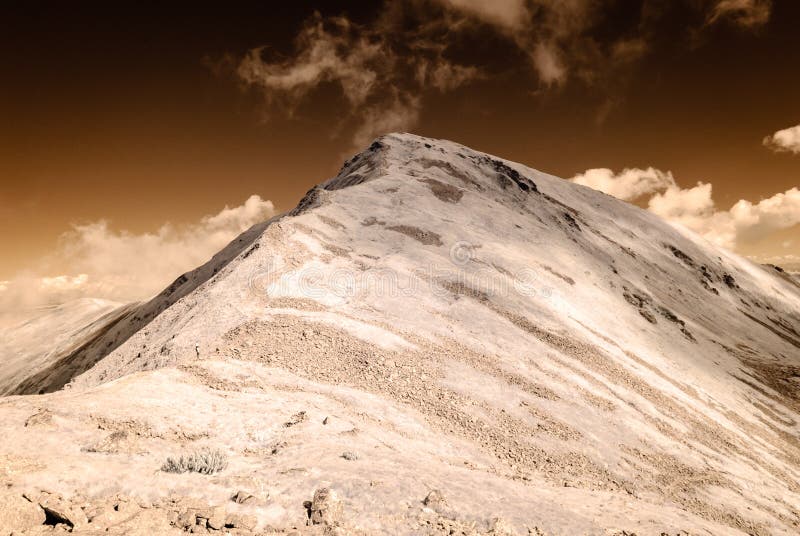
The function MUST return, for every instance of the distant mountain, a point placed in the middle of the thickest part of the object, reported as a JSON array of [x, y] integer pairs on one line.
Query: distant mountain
[[437, 341], [37, 339]]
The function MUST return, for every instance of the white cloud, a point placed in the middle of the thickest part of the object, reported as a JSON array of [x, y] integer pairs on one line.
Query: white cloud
[[753, 220], [786, 140], [629, 184], [63, 283], [94, 260], [694, 208]]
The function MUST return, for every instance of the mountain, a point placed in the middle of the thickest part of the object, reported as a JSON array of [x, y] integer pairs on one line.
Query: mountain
[[435, 341], [39, 339]]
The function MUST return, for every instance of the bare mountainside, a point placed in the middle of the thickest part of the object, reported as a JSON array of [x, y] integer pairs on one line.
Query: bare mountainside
[[435, 341]]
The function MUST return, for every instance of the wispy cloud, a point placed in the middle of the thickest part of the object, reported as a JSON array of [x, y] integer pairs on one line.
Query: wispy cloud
[[743, 13], [94, 260], [406, 51], [786, 140], [393, 61], [380, 69]]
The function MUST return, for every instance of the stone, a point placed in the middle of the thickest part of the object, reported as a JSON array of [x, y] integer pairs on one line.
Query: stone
[[326, 507], [241, 521], [243, 497], [42, 417], [18, 514], [186, 518], [435, 500], [501, 527], [216, 518]]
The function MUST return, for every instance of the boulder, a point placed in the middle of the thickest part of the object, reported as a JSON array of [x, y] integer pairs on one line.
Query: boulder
[[59, 510], [18, 514]]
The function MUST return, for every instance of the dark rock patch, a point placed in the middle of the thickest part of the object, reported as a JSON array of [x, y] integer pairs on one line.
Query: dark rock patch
[[648, 309], [251, 250], [571, 221], [506, 176], [452, 171], [372, 220], [443, 191], [511, 174], [687, 260], [339, 183], [566, 278], [312, 199], [428, 238], [330, 222]]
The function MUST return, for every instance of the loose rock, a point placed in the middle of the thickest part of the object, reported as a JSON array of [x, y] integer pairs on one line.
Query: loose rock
[[326, 508]]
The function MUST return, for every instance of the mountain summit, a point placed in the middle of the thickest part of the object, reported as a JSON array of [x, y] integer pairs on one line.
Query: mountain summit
[[437, 341]]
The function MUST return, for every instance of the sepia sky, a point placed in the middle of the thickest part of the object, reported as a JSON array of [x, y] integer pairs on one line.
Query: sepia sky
[[131, 125]]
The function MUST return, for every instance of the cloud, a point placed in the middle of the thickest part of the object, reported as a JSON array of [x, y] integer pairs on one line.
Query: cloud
[[408, 49], [694, 208], [509, 14], [330, 50], [445, 76], [629, 184], [381, 69], [548, 63], [744, 13], [549, 32], [94, 260], [790, 263], [753, 220], [401, 114], [786, 140], [394, 60]]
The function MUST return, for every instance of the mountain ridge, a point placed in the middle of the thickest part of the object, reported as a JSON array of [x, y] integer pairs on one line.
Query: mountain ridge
[[532, 348]]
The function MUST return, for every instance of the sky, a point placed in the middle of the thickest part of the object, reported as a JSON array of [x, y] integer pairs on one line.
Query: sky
[[136, 138]]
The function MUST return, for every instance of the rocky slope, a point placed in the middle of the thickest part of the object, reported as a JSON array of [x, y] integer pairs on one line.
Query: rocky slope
[[435, 341]]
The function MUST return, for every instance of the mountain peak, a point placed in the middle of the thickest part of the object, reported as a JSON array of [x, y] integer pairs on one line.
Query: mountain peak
[[493, 328]]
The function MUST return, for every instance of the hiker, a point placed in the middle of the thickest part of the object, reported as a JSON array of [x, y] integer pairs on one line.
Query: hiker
[[197, 349]]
